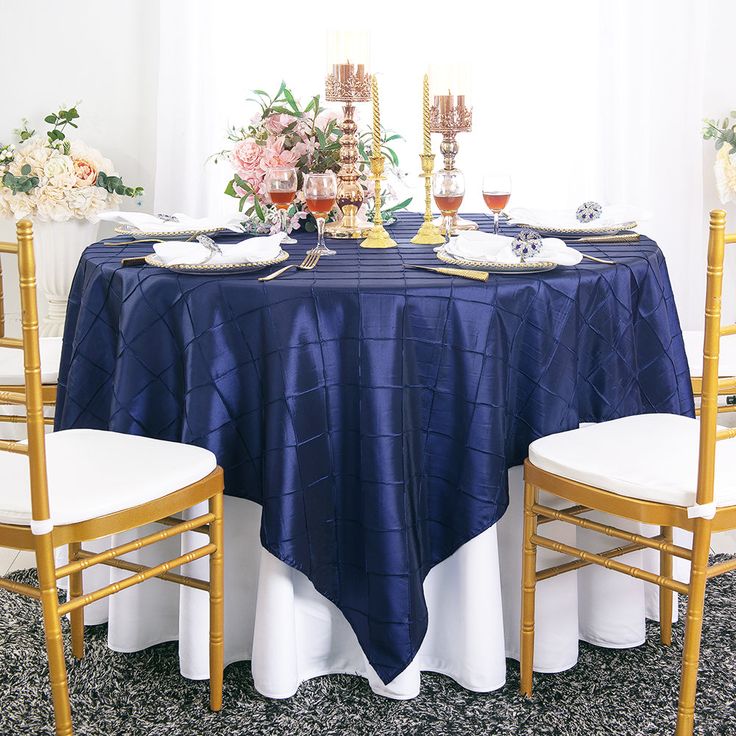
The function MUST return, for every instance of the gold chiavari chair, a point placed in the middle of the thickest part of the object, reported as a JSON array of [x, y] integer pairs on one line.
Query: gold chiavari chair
[[726, 368], [11, 366], [73, 486], [657, 469]]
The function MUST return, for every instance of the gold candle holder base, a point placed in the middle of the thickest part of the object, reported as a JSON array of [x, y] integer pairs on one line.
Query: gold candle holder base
[[378, 237], [428, 234]]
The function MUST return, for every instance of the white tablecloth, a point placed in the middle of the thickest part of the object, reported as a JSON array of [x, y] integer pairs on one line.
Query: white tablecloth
[[274, 616]]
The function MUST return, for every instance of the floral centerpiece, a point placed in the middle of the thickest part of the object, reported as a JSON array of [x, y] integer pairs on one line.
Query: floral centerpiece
[[61, 184], [724, 134], [51, 178], [283, 133]]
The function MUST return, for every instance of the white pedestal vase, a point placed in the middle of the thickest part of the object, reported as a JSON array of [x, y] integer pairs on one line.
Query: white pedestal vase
[[58, 247]]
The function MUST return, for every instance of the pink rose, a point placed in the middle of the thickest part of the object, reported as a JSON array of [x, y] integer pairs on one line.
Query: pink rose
[[274, 124], [85, 172], [246, 155]]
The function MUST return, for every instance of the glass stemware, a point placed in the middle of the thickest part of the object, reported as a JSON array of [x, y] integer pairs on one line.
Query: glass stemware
[[448, 187], [496, 194], [320, 191], [281, 182]]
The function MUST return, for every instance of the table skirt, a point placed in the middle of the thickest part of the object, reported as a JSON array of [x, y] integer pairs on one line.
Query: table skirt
[[274, 616]]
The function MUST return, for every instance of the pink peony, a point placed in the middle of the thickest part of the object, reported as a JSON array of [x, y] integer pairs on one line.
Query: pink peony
[[85, 171], [325, 118], [246, 155]]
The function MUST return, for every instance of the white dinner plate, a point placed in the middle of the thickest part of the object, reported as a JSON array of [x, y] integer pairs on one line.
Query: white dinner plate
[[495, 266], [217, 268]]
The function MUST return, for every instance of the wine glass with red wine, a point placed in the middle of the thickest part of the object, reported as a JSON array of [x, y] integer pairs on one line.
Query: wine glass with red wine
[[281, 184], [448, 187], [496, 194], [320, 191]]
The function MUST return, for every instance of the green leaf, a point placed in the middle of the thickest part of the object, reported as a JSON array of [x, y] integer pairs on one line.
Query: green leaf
[[321, 138], [51, 119], [399, 206], [259, 210], [25, 169], [719, 144], [290, 99], [282, 110], [230, 189], [394, 137], [313, 103]]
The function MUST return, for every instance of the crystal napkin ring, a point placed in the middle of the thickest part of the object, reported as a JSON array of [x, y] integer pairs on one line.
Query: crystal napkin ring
[[588, 211], [526, 244]]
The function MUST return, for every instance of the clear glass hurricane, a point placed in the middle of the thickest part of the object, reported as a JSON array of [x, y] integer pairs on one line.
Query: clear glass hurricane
[[320, 191], [448, 187], [281, 185]]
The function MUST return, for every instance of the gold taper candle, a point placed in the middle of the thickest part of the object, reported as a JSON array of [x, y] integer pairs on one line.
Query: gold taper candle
[[376, 117], [425, 113]]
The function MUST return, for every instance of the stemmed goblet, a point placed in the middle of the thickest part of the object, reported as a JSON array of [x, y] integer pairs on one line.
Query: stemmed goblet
[[496, 194], [320, 191], [281, 183], [448, 187]]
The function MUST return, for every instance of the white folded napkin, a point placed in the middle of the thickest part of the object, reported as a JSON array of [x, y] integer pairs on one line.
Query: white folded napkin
[[250, 250], [151, 223], [474, 245], [611, 216]]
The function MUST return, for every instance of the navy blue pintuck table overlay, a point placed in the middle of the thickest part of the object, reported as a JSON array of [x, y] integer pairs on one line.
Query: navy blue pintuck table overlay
[[371, 410]]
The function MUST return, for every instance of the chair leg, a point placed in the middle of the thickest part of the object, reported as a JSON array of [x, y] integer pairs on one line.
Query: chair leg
[[665, 594], [693, 628], [528, 587], [52, 630], [216, 603], [77, 616]]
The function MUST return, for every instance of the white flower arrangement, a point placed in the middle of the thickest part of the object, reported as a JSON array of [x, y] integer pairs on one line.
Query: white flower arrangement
[[53, 178]]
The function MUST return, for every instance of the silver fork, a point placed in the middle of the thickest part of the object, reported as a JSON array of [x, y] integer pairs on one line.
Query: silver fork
[[310, 261]]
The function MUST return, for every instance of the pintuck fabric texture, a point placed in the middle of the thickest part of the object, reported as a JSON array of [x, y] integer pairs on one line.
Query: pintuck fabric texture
[[11, 363], [652, 457], [93, 473], [372, 410]]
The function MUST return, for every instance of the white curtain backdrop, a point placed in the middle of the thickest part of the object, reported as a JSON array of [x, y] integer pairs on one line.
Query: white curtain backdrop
[[577, 100]]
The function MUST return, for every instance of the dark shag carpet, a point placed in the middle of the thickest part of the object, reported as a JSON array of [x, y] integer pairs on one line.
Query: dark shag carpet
[[609, 693]]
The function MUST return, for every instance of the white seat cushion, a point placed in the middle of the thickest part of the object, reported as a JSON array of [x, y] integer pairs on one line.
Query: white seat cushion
[[694, 350], [92, 473], [652, 457], [11, 363]]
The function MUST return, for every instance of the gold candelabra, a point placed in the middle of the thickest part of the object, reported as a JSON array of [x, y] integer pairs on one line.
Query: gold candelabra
[[428, 233], [348, 83], [450, 116], [377, 236]]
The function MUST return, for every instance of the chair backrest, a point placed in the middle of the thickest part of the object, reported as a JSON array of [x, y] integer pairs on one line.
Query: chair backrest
[[33, 396], [712, 384]]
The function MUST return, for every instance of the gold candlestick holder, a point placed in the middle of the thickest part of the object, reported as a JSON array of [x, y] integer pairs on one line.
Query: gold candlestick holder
[[377, 236], [428, 233], [449, 118], [346, 85]]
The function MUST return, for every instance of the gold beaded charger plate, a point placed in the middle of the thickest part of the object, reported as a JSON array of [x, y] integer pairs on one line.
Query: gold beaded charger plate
[[138, 234], [495, 266], [584, 229], [216, 268]]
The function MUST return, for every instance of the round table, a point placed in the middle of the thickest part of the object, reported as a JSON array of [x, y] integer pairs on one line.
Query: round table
[[366, 416]]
